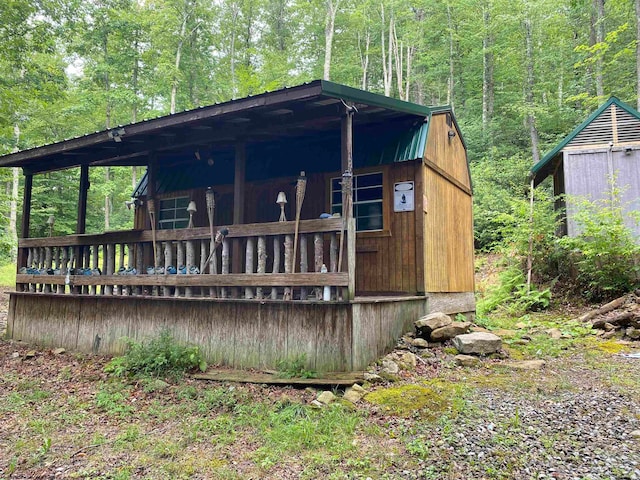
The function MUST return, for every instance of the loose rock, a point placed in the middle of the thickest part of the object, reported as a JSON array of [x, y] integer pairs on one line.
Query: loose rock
[[354, 393], [431, 322], [479, 343], [466, 360], [420, 343], [450, 331], [326, 397], [389, 366]]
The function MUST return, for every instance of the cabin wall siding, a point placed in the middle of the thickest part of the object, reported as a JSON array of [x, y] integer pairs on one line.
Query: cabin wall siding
[[448, 154]]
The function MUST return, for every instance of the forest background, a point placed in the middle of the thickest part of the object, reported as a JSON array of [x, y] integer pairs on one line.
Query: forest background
[[519, 74]]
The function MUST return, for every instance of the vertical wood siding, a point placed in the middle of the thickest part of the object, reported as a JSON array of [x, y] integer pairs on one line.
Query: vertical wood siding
[[448, 155]]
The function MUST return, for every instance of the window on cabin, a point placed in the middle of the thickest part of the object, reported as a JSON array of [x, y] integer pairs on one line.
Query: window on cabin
[[367, 200], [173, 213]]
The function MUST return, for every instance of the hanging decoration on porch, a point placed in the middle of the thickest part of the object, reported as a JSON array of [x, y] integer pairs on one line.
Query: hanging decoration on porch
[[282, 201], [211, 208], [151, 208], [301, 187]]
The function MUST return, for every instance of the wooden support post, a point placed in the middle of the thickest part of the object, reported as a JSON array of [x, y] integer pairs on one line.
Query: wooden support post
[[225, 264], [347, 196], [248, 267], [238, 202], [103, 291], [64, 267], [81, 223], [288, 253], [262, 262], [304, 263], [276, 263], [26, 215]]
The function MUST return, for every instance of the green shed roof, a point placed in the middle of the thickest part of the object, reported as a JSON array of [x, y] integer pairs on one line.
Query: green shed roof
[[543, 168]]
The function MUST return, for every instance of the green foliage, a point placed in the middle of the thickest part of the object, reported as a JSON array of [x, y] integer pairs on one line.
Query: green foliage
[[160, 356], [605, 255], [295, 368], [512, 294]]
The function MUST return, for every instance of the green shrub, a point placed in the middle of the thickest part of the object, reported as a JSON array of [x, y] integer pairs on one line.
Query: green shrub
[[603, 258], [512, 294], [161, 356], [295, 368]]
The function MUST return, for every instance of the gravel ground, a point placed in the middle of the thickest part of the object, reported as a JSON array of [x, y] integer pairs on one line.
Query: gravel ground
[[570, 421]]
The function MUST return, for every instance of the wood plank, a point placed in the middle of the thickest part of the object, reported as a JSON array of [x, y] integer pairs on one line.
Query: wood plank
[[311, 279], [81, 222], [235, 231]]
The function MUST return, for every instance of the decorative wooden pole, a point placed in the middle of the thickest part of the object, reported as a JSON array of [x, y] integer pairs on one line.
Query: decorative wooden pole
[[347, 198]]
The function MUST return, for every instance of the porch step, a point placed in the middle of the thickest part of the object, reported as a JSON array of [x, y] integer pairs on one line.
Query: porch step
[[244, 376]]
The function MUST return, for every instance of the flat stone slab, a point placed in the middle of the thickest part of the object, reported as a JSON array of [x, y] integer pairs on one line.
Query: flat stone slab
[[527, 365], [478, 343]]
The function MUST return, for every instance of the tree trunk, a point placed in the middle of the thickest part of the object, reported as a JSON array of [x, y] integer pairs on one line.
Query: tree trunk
[[174, 84], [387, 59], [450, 84], [364, 58], [232, 53], [599, 8], [638, 54], [398, 55], [329, 28], [13, 205], [529, 85], [487, 68], [107, 200]]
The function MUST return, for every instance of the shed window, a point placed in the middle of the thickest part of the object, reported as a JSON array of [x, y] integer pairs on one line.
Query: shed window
[[173, 213], [367, 200]]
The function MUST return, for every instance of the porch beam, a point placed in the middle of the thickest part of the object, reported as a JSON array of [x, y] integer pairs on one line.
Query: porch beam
[[81, 223]]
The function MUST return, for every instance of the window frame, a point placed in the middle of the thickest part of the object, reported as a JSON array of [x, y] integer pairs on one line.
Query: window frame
[[162, 223], [383, 171]]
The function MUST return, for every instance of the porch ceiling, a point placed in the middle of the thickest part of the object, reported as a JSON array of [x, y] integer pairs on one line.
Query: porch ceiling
[[312, 109]]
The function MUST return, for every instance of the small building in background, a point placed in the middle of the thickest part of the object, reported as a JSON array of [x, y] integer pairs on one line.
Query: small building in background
[[600, 156]]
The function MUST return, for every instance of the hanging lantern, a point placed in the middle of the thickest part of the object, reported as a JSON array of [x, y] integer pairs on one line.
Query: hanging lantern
[[282, 201], [191, 208]]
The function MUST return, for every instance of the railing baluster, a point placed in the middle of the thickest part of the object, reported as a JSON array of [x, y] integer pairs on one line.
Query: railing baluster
[[111, 261], [288, 252], [180, 261], [333, 259], [93, 250], [213, 267], [248, 268], [191, 261], [276, 263], [304, 263], [318, 258], [47, 266], [262, 262], [225, 264], [168, 262], [64, 268], [139, 266]]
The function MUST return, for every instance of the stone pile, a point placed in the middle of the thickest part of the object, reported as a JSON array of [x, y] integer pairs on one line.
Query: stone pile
[[618, 318], [439, 327]]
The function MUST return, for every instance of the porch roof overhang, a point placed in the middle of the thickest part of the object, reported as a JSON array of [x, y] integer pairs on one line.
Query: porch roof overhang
[[293, 112]]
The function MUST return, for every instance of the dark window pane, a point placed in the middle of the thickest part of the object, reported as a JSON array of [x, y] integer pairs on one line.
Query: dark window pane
[[368, 209], [367, 194], [336, 209], [369, 223], [335, 184], [182, 202], [336, 197], [166, 215], [369, 180], [181, 223]]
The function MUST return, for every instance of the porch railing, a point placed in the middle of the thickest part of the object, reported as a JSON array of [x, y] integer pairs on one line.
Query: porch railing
[[254, 261]]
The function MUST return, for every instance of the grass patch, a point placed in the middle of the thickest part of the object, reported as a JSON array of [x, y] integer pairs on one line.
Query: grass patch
[[7, 275]]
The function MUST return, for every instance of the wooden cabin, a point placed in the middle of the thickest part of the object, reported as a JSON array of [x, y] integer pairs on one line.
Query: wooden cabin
[[599, 155], [384, 207]]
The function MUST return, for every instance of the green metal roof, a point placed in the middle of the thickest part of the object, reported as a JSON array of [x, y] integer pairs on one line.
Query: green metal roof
[[540, 167], [337, 90]]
